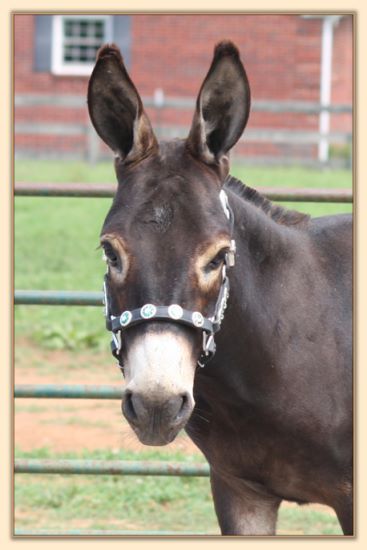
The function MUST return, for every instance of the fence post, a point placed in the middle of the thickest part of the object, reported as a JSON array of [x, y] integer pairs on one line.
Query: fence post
[[158, 102], [92, 149]]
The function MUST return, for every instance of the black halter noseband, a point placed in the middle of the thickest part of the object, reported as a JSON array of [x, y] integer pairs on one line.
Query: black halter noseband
[[175, 313]]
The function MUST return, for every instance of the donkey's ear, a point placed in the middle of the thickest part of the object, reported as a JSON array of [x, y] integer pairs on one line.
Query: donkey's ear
[[116, 110], [222, 107]]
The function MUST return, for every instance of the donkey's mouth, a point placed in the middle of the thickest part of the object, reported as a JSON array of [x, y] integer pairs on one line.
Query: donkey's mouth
[[157, 438]]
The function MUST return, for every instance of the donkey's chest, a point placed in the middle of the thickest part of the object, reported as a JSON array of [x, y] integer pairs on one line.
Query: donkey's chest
[[278, 462]]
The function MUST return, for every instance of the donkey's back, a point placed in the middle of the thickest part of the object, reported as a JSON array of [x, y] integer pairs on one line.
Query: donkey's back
[[333, 236]]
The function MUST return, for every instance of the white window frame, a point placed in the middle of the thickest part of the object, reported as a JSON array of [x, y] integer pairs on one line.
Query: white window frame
[[58, 65]]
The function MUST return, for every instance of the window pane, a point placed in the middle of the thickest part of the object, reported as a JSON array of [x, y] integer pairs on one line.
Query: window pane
[[67, 53], [76, 28], [84, 28], [67, 28], [92, 54], [82, 39], [99, 33], [75, 52], [83, 53]]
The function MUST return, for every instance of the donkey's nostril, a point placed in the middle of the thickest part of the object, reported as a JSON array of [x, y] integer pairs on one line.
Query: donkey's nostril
[[128, 406], [185, 405], [184, 398]]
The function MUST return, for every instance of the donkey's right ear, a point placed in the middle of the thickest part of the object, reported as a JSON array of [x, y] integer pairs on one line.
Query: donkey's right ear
[[116, 109]]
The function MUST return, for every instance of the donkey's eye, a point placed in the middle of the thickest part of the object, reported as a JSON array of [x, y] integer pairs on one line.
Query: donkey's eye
[[217, 261], [111, 255]]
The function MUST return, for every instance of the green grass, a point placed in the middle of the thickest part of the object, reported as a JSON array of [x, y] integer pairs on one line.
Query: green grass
[[101, 502], [56, 242], [136, 503], [294, 177], [60, 172], [73, 172]]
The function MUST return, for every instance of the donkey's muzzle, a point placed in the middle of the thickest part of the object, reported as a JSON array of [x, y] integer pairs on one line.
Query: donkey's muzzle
[[156, 421]]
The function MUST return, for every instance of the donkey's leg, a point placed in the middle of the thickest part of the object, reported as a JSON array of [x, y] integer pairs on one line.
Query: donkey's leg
[[344, 511], [243, 510]]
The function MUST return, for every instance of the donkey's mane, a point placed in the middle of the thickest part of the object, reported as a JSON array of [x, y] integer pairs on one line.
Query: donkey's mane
[[277, 213]]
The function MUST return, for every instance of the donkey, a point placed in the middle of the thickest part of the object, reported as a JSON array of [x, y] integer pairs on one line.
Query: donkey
[[264, 389]]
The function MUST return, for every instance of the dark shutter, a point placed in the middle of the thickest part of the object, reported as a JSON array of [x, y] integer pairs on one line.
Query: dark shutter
[[122, 36], [42, 43]]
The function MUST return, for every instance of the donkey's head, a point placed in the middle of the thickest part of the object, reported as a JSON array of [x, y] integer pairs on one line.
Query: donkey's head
[[167, 236]]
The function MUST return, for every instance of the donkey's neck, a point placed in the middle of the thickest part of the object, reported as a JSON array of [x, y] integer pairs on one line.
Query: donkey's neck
[[266, 234], [270, 258]]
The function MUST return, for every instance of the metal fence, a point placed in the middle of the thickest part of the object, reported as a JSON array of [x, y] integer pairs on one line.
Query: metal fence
[[49, 391], [273, 135], [108, 190]]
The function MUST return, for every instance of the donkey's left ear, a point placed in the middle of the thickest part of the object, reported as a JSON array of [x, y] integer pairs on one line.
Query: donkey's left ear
[[222, 108]]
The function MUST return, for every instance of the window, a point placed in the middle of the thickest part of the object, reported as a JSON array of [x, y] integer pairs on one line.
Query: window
[[76, 40]]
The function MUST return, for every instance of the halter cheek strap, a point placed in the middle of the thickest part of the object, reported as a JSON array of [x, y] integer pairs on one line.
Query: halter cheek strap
[[174, 312]]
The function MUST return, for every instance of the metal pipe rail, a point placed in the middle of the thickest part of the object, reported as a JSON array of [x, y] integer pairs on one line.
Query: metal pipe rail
[[108, 190], [58, 298], [103, 533], [63, 391], [110, 467]]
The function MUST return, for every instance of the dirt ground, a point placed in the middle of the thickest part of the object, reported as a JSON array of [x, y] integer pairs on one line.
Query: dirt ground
[[73, 424]]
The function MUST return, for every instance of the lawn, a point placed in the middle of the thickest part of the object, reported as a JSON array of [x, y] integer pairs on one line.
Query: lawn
[[56, 242], [134, 503]]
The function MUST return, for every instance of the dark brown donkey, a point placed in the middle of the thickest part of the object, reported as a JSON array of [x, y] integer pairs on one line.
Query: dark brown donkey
[[272, 409]]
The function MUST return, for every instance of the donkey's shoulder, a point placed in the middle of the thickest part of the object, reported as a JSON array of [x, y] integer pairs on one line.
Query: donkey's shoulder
[[335, 230]]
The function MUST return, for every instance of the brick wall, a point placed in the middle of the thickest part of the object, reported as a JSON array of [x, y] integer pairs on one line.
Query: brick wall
[[281, 54], [25, 78]]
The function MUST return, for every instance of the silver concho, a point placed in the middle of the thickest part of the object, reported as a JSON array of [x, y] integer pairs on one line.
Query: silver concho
[[175, 311], [197, 319], [125, 318], [148, 311]]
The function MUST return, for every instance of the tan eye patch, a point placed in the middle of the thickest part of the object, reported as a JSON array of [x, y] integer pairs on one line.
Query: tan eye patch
[[207, 277], [118, 248]]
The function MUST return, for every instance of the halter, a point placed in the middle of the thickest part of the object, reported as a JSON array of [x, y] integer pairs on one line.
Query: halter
[[174, 312]]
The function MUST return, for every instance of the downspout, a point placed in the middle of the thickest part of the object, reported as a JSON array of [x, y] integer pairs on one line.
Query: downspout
[[325, 83]]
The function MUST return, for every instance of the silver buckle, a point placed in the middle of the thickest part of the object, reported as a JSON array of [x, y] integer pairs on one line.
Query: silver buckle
[[116, 336], [231, 254], [208, 339], [208, 343]]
